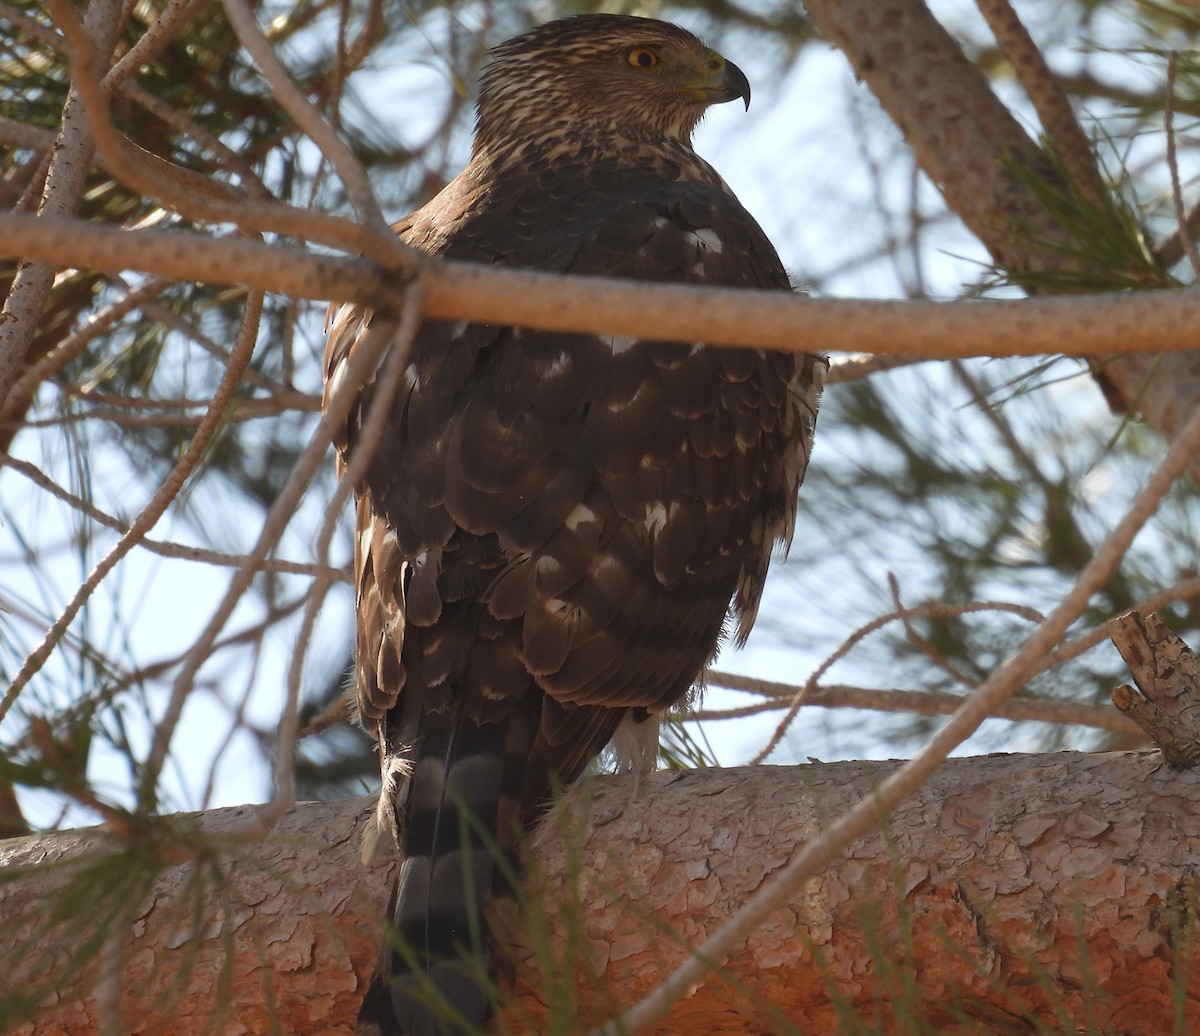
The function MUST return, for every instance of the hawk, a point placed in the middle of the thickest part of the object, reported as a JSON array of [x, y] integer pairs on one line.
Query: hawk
[[556, 530]]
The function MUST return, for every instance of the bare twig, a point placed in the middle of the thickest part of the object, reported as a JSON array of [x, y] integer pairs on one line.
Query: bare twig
[[358, 185], [165, 549], [72, 158], [247, 635], [856, 366], [1071, 145], [166, 316], [1186, 241], [923, 645], [334, 714], [19, 134], [213, 144], [33, 174], [197, 196], [240, 357], [350, 58], [153, 510], [174, 18], [72, 345], [1168, 252], [143, 171], [196, 257], [239, 411], [1181, 591], [257, 406], [925, 703], [920, 703], [924, 611]]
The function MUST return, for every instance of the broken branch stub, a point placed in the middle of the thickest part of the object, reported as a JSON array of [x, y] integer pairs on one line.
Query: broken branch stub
[[1166, 701]]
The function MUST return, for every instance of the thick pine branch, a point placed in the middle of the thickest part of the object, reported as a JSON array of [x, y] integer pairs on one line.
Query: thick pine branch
[[1150, 321], [1009, 888]]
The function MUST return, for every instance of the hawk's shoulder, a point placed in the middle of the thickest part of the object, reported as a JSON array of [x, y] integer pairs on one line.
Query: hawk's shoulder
[[682, 232]]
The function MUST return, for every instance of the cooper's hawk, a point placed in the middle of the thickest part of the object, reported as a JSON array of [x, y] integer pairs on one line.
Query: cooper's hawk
[[556, 529]]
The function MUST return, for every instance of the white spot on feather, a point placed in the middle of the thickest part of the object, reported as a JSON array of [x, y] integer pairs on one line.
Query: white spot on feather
[[548, 567], [619, 343], [579, 516], [656, 518], [707, 238], [611, 571], [556, 366]]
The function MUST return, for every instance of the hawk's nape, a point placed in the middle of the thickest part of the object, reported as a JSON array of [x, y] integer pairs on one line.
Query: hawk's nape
[[555, 530]]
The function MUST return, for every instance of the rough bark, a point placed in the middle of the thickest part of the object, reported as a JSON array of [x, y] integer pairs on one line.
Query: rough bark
[[1167, 674], [1011, 891], [986, 166]]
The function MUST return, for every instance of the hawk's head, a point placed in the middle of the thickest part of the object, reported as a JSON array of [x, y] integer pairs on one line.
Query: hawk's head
[[601, 74]]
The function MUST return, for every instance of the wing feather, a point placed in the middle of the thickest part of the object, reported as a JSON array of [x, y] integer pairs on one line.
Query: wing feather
[[601, 502]]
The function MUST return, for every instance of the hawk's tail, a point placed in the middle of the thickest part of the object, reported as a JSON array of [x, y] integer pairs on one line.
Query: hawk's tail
[[461, 828]]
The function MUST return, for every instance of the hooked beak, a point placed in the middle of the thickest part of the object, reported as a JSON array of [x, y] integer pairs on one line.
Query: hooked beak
[[724, 82]]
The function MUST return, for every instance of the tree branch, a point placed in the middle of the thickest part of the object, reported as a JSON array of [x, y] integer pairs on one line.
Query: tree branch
[[1167, 675], [1025, 709], [72, 158], [996, 179], [1150, 321], [1035, 887]]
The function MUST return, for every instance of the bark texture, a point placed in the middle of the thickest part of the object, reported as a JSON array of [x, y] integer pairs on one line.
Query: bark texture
[[1011, 892], [1167, 674]]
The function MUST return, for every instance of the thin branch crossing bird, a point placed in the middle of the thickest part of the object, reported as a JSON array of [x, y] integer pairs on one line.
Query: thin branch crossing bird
[[555, 531]]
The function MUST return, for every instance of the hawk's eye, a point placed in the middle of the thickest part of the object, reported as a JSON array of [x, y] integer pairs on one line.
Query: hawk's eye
[[642, 57]]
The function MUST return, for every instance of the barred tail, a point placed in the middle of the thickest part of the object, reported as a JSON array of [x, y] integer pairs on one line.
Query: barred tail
[[460, 834]]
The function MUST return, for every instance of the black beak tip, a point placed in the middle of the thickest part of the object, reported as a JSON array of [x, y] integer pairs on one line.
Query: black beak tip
[[738, 82]]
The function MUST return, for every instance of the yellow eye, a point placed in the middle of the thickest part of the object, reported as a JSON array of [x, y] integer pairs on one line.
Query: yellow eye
[[642, 57]]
